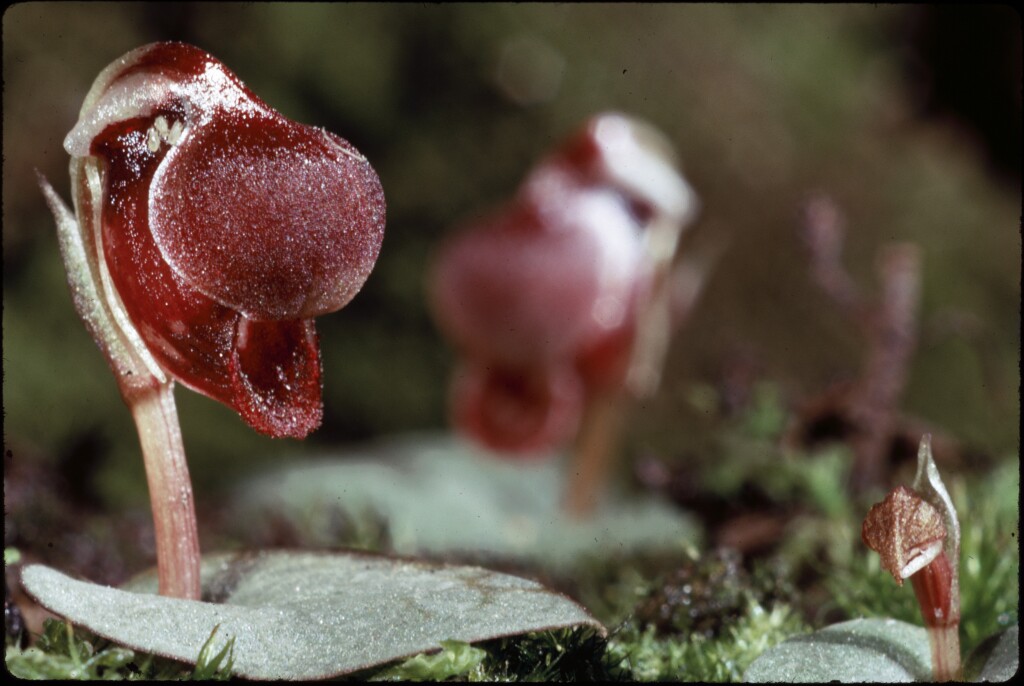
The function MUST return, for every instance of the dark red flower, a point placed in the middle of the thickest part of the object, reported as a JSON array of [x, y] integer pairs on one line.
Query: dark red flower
[[224, 228], [543, 296], [521, 411]]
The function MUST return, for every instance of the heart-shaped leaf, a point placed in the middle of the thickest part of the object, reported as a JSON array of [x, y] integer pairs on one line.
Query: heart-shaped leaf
[[861, 650], [301, 615], [441, 495]]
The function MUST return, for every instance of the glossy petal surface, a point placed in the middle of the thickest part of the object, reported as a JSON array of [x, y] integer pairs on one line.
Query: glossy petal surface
[[275, 375]]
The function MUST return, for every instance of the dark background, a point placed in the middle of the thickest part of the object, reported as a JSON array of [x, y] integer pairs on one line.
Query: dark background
[[908, 116]]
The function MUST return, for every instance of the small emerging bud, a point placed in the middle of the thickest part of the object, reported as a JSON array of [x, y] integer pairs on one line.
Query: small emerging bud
[[916, 533], [905, 531]]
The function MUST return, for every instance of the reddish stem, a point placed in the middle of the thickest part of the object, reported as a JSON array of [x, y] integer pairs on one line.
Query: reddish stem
[[170, 489], [933, 587], [592, 457]]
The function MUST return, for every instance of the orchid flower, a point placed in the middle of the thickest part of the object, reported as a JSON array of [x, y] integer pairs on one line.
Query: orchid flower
[[208, 232], [559, 300]]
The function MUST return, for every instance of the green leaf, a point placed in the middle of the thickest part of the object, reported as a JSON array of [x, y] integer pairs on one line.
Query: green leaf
[[439, 495], [861, 650], [310, 615], [997, 658]]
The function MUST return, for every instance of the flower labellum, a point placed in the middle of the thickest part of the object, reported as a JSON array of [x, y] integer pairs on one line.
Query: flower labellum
[[216, 229]]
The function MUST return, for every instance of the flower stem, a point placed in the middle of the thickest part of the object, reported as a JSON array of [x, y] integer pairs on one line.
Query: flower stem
[[933, 587], [591, 459], [170, 490], [945, 653]]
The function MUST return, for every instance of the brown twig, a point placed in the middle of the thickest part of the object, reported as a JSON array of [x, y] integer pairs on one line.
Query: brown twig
[[874, 403], [888, 325], [823, 233]]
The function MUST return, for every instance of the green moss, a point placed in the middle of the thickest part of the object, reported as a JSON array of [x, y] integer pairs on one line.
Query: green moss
[[455, 659], [697, 657], [565, 655], [989, 552], [817, 480], [61, 653], [66, 653], [562, 655], [211, 666]]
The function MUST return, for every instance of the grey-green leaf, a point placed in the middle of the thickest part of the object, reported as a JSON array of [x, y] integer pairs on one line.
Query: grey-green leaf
[[310, 615], [439, 495], [861, 650], [997, 658]]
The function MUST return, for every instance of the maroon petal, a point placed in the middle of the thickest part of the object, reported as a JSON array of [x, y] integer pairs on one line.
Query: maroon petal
[[188, 334], [604, 363], [522, 411], [225, 227], [271, 218], [529, 284], [196, 340], [275, 374]]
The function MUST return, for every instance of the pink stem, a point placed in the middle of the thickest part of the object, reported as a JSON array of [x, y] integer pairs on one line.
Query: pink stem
[[592, 457], [170, 490]]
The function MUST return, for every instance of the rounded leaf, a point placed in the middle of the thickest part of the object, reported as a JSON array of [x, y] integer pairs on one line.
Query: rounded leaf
[[858, 651], [302, 616]]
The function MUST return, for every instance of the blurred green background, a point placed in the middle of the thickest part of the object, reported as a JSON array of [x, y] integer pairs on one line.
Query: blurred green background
[[452, 103]]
